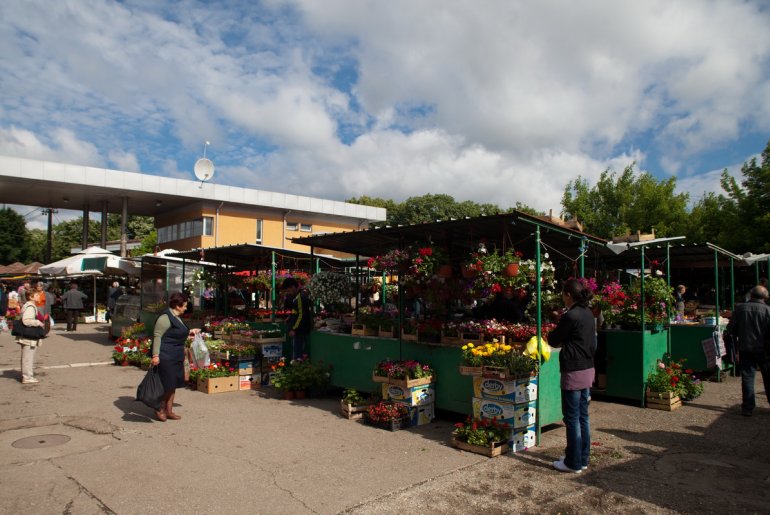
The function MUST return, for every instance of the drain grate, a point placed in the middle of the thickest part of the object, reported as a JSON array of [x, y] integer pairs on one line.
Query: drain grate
[[41, 441]]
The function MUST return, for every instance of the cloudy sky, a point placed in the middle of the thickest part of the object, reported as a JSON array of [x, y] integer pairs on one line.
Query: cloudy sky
[[491, 101]]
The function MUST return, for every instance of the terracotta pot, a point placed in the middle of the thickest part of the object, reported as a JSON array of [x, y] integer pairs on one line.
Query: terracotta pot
[[444, 271], [288, 395], [301, 394], [124, 363], [469, 273], [511, 270]]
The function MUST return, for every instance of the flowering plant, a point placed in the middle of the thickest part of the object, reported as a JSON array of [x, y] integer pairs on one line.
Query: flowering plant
[[300, 374], [484, 432], [391, 260], [213, 370], [385, 411], [493, 354], [402, 369], [611, 300], [671, 376], [329, 287]]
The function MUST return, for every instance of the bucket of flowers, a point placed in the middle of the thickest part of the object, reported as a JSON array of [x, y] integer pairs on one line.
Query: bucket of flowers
[[388, 415], [482, 436], [405, 374]]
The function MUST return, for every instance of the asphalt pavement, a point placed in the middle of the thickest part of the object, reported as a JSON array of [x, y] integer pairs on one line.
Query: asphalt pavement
[[78, 443]]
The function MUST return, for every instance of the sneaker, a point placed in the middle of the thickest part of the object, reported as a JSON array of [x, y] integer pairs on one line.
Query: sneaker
[[561, 467], [31, 380], [584, 467]]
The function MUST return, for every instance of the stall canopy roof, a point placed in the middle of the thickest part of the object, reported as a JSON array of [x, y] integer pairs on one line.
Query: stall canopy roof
[[459, 237], [246, 256], [683, 255]]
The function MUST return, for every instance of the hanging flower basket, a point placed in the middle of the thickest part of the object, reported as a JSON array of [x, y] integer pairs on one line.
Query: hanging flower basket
[[511, 270], [469, 273], [444, 271]]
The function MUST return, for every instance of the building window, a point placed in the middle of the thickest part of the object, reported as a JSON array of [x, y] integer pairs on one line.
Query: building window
[[208, 226], [259, 231], [306, 227], [291, 226]]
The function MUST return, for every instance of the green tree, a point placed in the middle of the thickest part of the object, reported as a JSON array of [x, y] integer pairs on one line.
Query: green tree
[[749, 230], [148, 244], [38, 241], [14, 244], [626, 202]]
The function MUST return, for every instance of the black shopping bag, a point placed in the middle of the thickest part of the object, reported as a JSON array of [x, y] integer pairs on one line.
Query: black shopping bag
[[150, 390]]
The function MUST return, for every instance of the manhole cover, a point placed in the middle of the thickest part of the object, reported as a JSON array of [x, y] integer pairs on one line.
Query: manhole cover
[[40, 441]]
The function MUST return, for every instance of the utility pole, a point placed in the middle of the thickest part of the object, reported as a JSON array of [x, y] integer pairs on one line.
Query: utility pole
[[49, 236]]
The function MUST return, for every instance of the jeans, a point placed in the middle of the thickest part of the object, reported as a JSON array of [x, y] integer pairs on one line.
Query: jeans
[[749, 363], [574, 407], [299, 345]]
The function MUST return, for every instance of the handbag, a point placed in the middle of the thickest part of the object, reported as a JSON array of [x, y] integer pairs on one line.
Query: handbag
[[26, 332], [150, 390]]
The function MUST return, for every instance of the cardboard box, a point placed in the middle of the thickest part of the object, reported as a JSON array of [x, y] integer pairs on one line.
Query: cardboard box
[[247, 383], [245, 368], [414, 396], [522, 439], [421, 415], [218, 384], [513, 390], [272, 350], [516, 415]]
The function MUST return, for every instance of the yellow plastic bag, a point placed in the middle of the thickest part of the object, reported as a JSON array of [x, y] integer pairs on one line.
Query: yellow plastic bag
[[531, 349]]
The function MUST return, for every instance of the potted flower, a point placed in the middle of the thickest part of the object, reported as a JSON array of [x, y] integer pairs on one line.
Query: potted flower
[[482, 436], [472, 362], [353, 405], [403, 373], [387, 415], [217, 378]]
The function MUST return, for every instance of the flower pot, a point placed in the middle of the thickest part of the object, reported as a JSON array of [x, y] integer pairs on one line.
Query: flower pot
[[469, 273], [289, 395], [300, 394], [491, 450], [444, 271], [511, 270], [124, 363]]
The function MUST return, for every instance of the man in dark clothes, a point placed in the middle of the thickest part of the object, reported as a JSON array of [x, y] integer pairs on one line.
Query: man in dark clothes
[[300, 321]]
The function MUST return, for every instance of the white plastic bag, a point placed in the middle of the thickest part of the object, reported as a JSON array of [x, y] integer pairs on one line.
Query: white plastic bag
[[50, 319], [200, 352], [3, 325]]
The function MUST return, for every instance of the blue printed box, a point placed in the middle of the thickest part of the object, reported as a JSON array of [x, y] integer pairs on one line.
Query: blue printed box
[[272, 350], [508, 390], [522, 439], [414, 396], [515, 415], [421, 415]]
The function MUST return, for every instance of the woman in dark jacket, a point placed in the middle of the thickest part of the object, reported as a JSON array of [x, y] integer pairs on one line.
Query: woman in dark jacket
[[168, 349], [576, 335]]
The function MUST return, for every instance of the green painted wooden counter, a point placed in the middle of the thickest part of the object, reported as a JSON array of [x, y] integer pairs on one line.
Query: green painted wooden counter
[[354, 357], [630, 357], [686, 344]]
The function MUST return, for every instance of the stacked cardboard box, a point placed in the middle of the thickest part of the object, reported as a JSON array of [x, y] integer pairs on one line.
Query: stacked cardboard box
[[419, 400], [512, 401]]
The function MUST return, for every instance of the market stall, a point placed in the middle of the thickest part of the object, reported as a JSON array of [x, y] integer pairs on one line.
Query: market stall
[[462, 255]]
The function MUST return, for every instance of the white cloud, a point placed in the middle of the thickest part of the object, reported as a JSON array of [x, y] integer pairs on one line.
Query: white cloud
[[494, 102]]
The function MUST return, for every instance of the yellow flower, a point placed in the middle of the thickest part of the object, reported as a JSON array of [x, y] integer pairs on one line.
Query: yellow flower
[[470, 345], [464, 347]]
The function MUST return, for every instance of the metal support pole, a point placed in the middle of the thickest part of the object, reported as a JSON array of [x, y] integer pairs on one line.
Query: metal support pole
[[641, 277], [539, 320], [732, 283], [668, 304], [583, 248], [716, 286], [272, 284]]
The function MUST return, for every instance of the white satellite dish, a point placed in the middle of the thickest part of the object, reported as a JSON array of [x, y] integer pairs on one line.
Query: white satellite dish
[[204, 168]]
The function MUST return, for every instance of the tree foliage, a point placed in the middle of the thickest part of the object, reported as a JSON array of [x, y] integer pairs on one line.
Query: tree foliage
[[14, 245], [628, 201], [430, 208], [745, 211]]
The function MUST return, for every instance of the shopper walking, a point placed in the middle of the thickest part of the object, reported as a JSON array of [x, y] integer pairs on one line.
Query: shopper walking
[[750, 325], [73, 303], [575, 334], [168, 349], [29, 318]]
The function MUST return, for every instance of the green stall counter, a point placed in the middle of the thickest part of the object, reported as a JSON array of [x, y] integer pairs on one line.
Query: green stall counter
[[687, 343], [630, 356], [354, 357]]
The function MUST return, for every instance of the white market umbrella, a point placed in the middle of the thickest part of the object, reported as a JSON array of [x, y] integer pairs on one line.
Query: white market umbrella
[[93, 260]]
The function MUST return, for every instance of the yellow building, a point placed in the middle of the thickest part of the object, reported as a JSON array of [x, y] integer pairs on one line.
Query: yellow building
[[188, 214]]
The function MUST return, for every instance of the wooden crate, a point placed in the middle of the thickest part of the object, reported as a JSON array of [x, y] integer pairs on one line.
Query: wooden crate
[[403, 383], [409, 337], [664, 401], [470, 371], [362, 330], [385, 333], [353, 412], [490, 451]]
